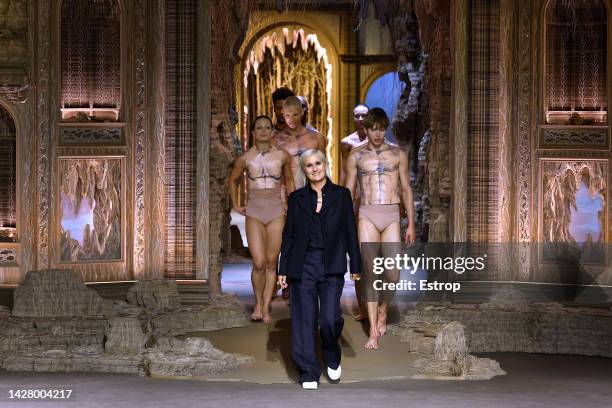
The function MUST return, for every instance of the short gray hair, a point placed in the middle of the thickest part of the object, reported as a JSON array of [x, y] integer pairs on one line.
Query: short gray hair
[[305, 155]]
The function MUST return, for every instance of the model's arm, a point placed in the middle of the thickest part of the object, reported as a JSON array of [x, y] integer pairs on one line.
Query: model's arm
[[345, 149], [350, 228], [321, 143], [288, 173], [407, 197], [287, 242], [351, 174], [234, 183]]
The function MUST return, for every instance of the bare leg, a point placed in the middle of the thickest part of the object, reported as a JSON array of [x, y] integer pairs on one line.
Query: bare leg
[[274, 233], [368, 233], [255, 231], [391, 237], [372, 343], [362, 314]]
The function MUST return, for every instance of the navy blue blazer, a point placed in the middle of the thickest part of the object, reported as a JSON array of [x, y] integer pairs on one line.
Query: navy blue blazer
[[339, 232]]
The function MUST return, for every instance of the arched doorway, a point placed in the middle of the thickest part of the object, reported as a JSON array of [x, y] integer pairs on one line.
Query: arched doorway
[[285, 31], [294, 59]]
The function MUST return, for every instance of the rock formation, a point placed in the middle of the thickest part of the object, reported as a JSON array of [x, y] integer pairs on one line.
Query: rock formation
[[503, 326], [190, 357], [442, 349], [55, 293], [155, 295], [58, 324], [125, 335]]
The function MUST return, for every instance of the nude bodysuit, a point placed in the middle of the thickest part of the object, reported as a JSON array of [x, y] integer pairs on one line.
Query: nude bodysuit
[[264, 171], [295, 147], [378, 175]]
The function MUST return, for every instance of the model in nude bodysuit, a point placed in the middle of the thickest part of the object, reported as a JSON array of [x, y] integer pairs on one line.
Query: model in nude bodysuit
[[381, 169], [296, 138], [264, 165], [355, 139]]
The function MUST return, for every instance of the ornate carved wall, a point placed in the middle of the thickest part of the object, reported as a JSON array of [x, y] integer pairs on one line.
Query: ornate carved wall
[[31, 89], [526, 164]]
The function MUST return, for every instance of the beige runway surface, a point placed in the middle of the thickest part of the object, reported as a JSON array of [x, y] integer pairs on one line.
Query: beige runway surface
[[271, 347]]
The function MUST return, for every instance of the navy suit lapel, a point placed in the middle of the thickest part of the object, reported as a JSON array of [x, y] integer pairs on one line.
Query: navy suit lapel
[[304, 202], [332, 198]]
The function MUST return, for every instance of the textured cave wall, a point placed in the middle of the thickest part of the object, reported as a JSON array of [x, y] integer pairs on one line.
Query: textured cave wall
[[420, 30], [433, 17], [229, 24]]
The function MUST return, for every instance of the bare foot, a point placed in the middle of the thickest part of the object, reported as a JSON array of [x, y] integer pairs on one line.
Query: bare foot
[[361, 316], [267, 319], [382, 321], [372, 343], [256, 315]]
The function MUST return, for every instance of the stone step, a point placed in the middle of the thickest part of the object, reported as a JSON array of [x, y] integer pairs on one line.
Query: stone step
[[193, 293], [112, 290], [32, 341]]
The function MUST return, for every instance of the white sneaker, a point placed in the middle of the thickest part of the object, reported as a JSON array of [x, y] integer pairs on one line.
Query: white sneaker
[[334, 375], [310, 385]]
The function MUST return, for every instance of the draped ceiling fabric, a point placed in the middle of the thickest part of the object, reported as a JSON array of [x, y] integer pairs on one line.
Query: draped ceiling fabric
[[180, 146], [576, 43], [91, 54], [295, 60], [7, 169], [483, 138]]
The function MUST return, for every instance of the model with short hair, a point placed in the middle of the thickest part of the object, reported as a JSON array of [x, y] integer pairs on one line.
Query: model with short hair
[[355, 139], [298, 138], [319, 234], [381, 169]]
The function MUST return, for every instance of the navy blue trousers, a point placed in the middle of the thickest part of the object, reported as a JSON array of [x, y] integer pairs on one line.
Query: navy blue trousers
[[315, 301]]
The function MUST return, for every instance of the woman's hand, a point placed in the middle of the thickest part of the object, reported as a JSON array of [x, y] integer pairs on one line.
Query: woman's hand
[[282, 281], [240, 210], [355, 276]]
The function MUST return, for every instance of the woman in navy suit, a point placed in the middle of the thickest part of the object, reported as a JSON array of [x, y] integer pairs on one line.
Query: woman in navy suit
[[319, 232]]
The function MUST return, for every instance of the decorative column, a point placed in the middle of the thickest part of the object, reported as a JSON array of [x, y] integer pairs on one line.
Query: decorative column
[[459, 126], [524, 152], [203, 145], [155, 147], [506, 84], [43, 130], [140, 124], [506, 146]]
